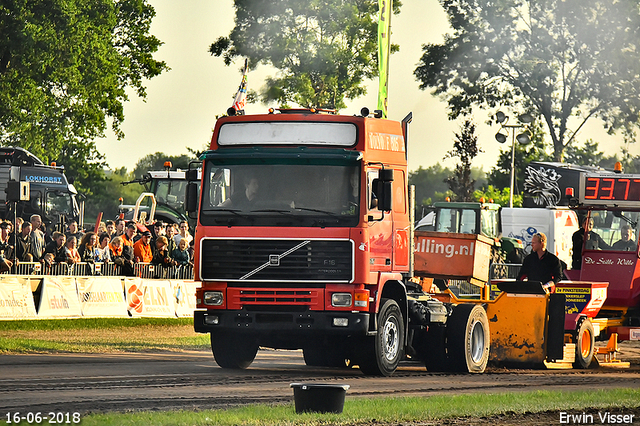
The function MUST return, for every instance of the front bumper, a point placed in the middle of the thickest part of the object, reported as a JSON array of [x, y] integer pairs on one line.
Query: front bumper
[[285, 323]]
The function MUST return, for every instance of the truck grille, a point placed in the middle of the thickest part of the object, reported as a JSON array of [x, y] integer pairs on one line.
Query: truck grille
[[267, 260]]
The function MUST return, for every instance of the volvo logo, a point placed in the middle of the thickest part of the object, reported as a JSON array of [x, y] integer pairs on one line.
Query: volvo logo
[[274, 259]]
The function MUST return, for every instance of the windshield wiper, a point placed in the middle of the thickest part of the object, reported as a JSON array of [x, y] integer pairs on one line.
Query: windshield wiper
[[621, 215], [332, 214], [271, 211], [234, 211]]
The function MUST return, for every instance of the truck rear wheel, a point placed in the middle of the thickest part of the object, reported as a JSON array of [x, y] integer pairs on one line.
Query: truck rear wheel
[[468, 339], [585, 344], [381, 355], [434, 349], [233, 351]]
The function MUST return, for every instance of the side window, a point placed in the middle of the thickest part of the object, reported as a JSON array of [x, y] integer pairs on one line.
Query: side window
[[447, 220], [162, 191], [468, 222], [372, 197]]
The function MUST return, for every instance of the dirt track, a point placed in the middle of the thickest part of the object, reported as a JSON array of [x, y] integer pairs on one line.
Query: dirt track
[[191, 380]]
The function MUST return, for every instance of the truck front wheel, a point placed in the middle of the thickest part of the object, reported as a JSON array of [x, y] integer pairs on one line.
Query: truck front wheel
[[315, 356], [381, 355], [233, 351], [468, 339]]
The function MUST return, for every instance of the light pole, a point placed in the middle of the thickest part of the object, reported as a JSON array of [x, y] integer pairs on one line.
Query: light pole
[[523, 138]]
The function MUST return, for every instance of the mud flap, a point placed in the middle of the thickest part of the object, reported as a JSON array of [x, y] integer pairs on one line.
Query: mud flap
[[555, 327]]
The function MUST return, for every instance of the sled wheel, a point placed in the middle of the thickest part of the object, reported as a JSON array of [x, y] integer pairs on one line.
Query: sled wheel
[[585, 344], [468, 339]]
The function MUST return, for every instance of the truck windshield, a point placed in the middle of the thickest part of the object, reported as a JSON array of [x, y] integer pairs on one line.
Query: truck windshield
[[280, 195], [617, 230], [457, 220], [171, 192], [59, 203]]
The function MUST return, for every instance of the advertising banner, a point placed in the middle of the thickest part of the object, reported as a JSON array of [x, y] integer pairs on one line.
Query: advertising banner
[[59, 298], [184, 297], [149, 298], [102, 297], [16, 299]]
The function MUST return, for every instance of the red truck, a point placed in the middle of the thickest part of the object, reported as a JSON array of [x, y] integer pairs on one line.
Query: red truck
[[611, 201], [304, 240]]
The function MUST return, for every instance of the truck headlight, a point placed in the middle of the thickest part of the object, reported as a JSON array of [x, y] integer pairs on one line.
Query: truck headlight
[[341, 299], [213, 298]]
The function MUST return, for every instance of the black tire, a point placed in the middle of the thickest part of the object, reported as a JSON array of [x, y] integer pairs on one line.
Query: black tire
[[585, 344], [468, 339], [380, 355], [433, 351], [324, 357], [232, 351]]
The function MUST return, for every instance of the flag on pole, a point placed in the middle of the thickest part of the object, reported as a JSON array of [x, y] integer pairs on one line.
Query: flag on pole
[[384, 48], [241, 97]]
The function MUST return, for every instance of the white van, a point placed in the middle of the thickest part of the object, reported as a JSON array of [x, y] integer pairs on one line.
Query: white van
[[557, 223]]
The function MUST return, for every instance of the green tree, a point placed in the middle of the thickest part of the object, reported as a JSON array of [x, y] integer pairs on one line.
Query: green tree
[[491, 194], [324, 50], [64, 68], [428, 182], [585, 156], [107, 191], [465, 148], [500, 175], [558, 59]]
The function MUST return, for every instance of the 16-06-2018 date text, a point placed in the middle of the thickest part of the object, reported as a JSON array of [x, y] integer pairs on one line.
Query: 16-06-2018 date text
[[37, 417]]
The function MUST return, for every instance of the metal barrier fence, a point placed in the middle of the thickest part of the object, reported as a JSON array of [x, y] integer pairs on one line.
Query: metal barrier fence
[[148, 270], [142, 270], [504, 270]]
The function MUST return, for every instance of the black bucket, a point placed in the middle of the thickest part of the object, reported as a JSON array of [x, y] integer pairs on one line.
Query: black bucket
[[319, 397]]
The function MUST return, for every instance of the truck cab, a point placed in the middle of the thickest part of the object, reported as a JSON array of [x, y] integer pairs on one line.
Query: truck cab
[[51, 195], [303, 237]]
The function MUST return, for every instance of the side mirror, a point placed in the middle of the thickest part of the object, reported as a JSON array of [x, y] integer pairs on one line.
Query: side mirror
[[385, 191], [385, 175], [191, 198], [191, 175]]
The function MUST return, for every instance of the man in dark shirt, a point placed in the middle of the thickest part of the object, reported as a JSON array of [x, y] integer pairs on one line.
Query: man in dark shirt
[[56, 247], [625, 243], [594, 242], [243, 200], [541, 265], [22, 243]]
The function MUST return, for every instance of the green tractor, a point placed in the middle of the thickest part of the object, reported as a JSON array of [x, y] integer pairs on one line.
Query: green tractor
[[478, 218]]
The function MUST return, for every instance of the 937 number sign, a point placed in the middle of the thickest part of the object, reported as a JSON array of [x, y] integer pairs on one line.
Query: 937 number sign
[[608, 190]]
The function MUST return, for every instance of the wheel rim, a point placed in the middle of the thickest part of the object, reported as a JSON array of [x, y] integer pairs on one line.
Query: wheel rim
[[585, 344], [391, 339], [477, 342]]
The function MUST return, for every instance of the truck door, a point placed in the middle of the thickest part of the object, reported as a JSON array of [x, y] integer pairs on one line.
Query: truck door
[[380, 228]]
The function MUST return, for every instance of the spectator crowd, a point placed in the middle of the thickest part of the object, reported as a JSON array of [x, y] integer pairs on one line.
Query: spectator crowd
[[122, 243]]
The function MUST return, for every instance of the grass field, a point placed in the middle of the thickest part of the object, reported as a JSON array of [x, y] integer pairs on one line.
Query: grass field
[[151, 335], [100, 335], [400, 411]]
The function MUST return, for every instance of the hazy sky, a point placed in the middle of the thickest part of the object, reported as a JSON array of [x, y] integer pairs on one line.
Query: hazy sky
[[182, 103]]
